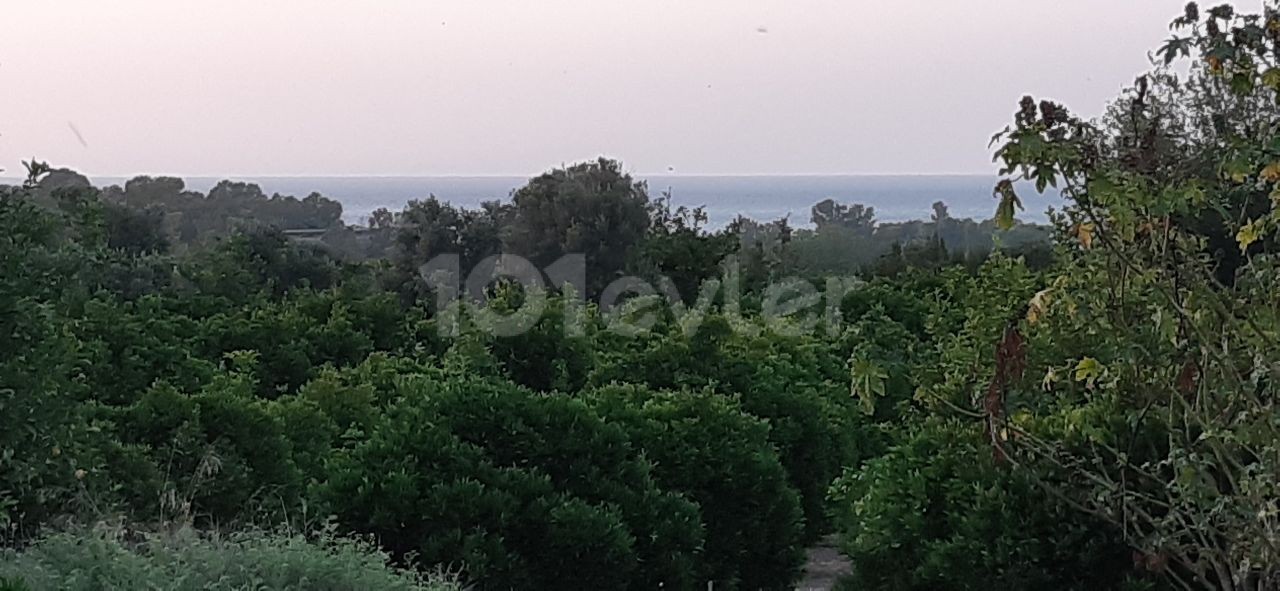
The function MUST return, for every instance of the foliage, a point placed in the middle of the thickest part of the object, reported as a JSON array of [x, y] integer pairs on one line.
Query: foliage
[[1154, 342], [592, 208], [935, 512], [186, 560], [521, 489], [796, 384], [705, 447], [248, 377], [189, 217], [43, 439], [678, 248]]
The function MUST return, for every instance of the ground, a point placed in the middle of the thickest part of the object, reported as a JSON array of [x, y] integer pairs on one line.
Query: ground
[[825, 565]]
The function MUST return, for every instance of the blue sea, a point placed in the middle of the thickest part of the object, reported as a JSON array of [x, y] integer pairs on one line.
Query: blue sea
[[763, 197]]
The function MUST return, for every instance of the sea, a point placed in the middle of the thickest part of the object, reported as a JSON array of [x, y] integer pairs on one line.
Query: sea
[[760, 197]]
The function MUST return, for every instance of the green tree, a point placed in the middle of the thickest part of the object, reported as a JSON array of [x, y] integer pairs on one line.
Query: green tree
[[591, 208], [1156, 336]]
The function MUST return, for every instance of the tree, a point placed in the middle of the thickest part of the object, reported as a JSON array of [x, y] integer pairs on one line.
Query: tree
[[135, 231], [1157, 334], [525, 490], [707, 448], [856, 217], [679, 248], [429, 228], [381, 219], [591, 208]]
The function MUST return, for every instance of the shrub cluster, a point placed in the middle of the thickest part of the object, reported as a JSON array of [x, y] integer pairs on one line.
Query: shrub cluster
[[187, 561], [262, 384]]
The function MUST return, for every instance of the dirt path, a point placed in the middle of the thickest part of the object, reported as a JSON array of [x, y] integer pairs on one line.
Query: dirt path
[[823, 568]]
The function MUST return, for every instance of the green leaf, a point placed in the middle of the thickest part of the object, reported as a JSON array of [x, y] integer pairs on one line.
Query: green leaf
[[1088, 371], [1237, 169], [867, 383], [1242, 82]]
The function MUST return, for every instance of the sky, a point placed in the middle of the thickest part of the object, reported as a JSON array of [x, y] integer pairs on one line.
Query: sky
[[506, 87]]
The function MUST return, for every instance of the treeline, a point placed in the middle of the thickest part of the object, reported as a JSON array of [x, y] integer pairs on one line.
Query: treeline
[[593, 208], [158, 214]]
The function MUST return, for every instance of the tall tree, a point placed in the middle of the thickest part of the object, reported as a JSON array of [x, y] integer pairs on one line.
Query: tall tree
[[591, 208], [1157, 339]]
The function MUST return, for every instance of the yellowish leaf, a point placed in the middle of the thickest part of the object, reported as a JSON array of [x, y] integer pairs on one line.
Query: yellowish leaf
[[1084, 233], [1271, 172], [1271, 77], [1039, 305], [1249, 233]]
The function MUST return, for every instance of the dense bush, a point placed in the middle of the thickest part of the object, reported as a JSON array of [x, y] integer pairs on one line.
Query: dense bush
[[215, 456], [521, 489], [936, 513], [797, 384], [704, 446], [92, 561], [44, 439]]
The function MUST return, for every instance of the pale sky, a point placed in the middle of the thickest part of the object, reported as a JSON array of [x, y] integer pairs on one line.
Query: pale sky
[[294, 87]]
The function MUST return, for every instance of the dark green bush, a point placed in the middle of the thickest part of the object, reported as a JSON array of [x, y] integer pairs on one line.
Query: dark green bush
[[584, 457], [213, 457], [704, 446], [935, 513], [799, 385], [523, 490], [545, 358]]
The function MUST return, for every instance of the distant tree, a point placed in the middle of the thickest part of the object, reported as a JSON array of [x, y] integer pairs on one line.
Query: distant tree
[[261, 259], [482, 229], [431, 227], [940, 212], [134, 231], [145, 191], [593, 208], [679, 248], [316, 211], [233, 191], [428, 228], [381, 218], [828, 213], [763, 248], [64, 178]]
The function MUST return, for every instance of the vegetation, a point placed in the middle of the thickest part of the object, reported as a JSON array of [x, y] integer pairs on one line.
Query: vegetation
[[988, 405], [184, 560]]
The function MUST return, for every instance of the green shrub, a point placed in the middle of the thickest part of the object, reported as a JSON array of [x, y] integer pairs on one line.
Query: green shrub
[[936, 513], [584, 457], [704, 446], [214, 456], [190, 561], [520, 489], [544, 358], [798, 385]]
